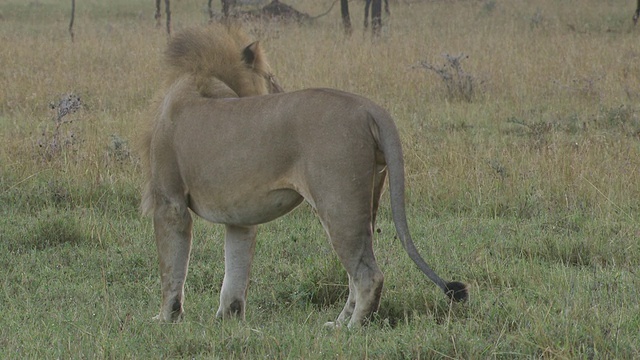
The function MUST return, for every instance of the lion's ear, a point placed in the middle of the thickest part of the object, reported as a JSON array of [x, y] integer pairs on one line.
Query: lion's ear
[[252, 54]]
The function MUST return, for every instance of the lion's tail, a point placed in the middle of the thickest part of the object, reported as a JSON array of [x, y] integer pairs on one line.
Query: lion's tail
[[389, 142]]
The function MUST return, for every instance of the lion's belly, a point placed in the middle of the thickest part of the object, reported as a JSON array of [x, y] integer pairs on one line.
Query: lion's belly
[[249, 209]]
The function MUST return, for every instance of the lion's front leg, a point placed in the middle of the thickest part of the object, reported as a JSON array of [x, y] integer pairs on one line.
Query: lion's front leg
[[239, 248], [172, 224]]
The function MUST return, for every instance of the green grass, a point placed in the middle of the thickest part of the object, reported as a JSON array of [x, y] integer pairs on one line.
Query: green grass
[[527, 191]]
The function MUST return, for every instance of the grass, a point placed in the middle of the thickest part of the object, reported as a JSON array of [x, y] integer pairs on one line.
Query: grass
[[527, 191]]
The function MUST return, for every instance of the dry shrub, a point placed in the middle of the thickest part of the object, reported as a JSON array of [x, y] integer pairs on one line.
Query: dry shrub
[[459, 84], [54, 140]]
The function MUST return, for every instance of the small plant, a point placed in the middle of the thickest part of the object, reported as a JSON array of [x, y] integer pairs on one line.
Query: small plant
[[118, 149], [488, 6], [537, 20], [620, 118], [460, 85], [52, 142], [539, 131]]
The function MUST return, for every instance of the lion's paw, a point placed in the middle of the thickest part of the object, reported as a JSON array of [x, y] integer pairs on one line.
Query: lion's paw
[[332, 325]]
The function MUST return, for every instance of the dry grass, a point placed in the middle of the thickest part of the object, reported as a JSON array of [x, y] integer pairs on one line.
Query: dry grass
[[562, 74]]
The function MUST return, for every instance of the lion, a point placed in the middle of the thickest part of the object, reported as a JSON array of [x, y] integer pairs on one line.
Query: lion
[[227, 144]]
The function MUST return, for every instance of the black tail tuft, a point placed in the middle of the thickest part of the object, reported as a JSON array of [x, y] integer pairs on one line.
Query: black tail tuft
[[457, 291]]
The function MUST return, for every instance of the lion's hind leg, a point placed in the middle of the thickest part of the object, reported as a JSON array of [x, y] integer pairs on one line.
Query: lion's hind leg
[[349, 307], [172, 225], [349, 227], [367, 283]]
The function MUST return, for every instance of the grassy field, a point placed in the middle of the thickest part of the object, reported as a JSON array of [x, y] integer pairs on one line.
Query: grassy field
[[522, 168]]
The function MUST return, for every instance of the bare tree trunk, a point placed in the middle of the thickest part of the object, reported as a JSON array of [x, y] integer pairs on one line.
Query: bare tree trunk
[[167, 10], [376, 17], [73, 15], [637, 14], [158, 14], [227, 5], [367, 4], [346, 19], [210, 9]]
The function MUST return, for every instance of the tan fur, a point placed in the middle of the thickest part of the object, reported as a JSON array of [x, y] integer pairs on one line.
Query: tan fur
[[210, 59], [232, 157], [215, 52]]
